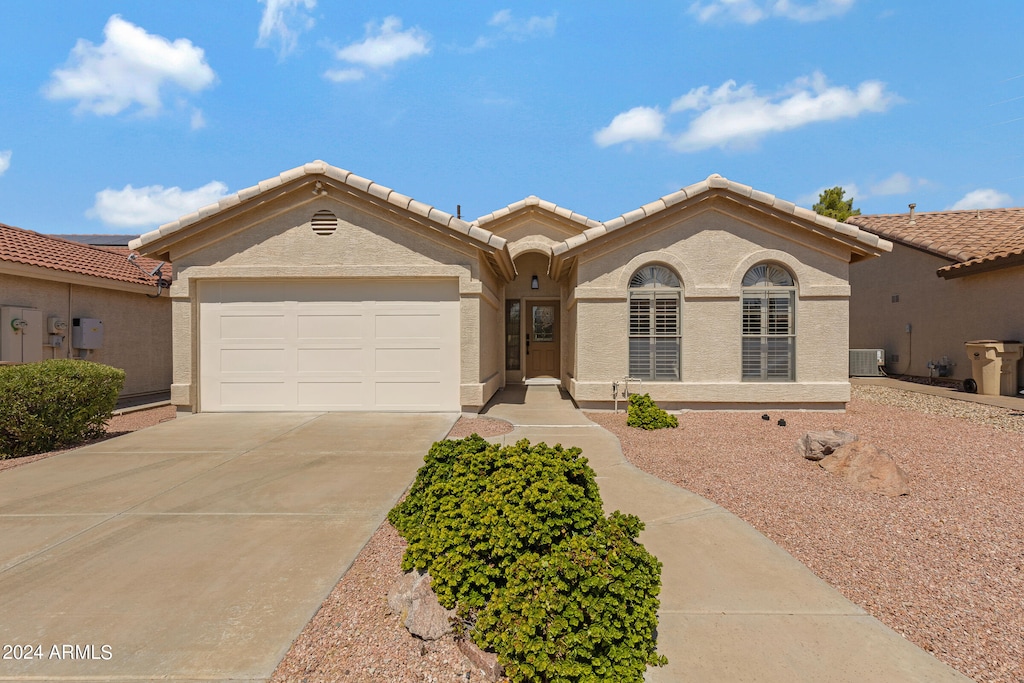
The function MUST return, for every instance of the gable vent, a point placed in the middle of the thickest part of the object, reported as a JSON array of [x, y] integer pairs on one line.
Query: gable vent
[[324, 222]]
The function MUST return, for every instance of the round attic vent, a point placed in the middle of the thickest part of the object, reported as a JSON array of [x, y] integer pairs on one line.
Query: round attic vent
[[324, 222]]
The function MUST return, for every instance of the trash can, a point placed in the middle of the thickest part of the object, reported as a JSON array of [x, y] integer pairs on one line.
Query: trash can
[[994, 365]]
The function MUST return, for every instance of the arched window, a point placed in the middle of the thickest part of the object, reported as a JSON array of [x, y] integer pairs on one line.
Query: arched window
[[769, 328], [655, 322]]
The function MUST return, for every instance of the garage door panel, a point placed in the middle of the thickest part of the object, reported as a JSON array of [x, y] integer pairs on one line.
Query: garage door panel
[[407, 360], [341, 395], [408, 395], [331, 360], [243, 326], [341, 351], [253, 395], [323, 326]]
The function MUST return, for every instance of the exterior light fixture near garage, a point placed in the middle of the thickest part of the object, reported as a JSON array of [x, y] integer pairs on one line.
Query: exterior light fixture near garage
[[534, 283]]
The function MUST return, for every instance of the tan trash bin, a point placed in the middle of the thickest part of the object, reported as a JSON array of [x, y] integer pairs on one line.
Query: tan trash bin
[[994, 365]]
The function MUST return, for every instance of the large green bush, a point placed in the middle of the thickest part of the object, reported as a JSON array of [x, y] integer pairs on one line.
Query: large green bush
[[54, 404], [645, 414], [516, 538]]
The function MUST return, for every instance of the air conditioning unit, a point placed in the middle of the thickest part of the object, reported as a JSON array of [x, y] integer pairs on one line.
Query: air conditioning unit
[[867, 362]]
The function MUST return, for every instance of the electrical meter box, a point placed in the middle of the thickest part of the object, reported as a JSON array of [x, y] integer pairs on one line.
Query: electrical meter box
[[87, 333], [21, 334]]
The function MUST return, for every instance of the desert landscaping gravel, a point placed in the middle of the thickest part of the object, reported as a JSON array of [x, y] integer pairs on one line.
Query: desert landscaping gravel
[[943, 566]]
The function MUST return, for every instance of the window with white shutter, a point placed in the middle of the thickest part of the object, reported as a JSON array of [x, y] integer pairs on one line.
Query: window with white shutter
[[655, 324], [769, 326]]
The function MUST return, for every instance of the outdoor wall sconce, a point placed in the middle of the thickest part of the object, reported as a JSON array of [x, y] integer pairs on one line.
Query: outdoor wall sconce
[[534, 283]]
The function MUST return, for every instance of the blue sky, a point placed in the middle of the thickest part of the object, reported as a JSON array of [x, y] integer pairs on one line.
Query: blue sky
[[120, 116]]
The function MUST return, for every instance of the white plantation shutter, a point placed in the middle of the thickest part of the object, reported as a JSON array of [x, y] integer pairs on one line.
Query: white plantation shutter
[[768, 326], [654, 324]]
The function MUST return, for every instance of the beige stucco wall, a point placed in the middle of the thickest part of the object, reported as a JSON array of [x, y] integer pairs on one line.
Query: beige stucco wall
[[136, 329], [277, 241], [942, 314], [711, 251]]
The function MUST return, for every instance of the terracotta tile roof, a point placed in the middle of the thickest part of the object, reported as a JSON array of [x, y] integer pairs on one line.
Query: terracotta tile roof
[[978, 239], [717, 182], [111, 263]]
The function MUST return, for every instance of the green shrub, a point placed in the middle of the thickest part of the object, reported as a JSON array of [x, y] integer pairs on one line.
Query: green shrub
[[516, 538], [645, 414], [476, 507], [585, 611], [55, 404]]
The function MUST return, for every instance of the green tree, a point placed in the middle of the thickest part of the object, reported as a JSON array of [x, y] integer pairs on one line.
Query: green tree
[[832, 203]]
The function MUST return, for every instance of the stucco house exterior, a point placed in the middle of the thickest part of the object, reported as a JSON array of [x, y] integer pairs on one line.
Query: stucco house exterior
[[323, 290], [48, 284], [952, 277]]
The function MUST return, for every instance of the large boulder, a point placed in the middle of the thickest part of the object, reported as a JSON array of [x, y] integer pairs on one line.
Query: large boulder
[[868, 468], [817, 445], [413, 599]]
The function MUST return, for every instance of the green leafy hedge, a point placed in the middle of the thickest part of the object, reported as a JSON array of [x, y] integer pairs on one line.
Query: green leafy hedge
[[516, 538], [55, 404], [645, 414]]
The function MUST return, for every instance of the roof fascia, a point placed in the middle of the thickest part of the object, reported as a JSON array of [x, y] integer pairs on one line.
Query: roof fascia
[[955, 270], [63, 276]]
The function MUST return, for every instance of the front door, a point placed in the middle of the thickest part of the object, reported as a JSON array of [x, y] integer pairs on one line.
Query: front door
[[542, 353]]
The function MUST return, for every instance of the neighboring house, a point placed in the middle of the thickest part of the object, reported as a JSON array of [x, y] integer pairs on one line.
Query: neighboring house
[[953, 277], [322, 290], [48, 283]]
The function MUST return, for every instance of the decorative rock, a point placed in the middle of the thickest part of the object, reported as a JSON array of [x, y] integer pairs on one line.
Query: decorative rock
[[412, 598], [868, 468], [486, 663], [816, 445]]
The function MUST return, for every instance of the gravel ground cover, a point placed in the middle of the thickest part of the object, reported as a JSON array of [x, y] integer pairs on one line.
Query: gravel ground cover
[[942, 566]]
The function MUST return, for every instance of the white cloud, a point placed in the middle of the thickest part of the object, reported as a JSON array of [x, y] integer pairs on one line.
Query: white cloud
[[897, 183], [130, 67], [521, 29], [736, 117], [344, 75], [153, 204], [985, 198], [383, 47], [753, 11], [198, 120], [639, 124], [5, 161], [283, 21]]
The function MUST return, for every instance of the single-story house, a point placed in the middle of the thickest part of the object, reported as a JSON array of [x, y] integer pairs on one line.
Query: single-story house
[[952, 277], [64, 299], [323, 290]]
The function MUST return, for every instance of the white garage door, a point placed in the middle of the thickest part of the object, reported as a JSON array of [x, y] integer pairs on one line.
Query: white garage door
[[329, 345]]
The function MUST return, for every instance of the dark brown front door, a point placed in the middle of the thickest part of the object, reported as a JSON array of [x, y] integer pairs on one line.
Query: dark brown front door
[[542, 351]]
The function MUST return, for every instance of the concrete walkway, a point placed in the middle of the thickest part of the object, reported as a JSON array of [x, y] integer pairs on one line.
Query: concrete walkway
[[734, 606], [195, 550]]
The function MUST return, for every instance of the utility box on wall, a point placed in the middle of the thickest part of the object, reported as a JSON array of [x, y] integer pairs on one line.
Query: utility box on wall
[[21, 334], [87, 333]]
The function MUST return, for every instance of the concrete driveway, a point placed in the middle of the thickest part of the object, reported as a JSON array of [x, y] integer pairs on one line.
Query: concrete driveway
[[196, 549]]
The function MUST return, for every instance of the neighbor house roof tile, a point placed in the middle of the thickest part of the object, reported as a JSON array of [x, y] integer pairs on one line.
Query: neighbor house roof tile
[[978, 237], [45, 251]]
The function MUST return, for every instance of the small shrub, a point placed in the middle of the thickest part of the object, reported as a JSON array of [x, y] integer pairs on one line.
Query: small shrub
[[55, 404], [586, 611], [476, 507], [645, 414], [516, 539]]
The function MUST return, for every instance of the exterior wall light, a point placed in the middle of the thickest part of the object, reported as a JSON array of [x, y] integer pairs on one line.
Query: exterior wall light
[[534, 283]]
